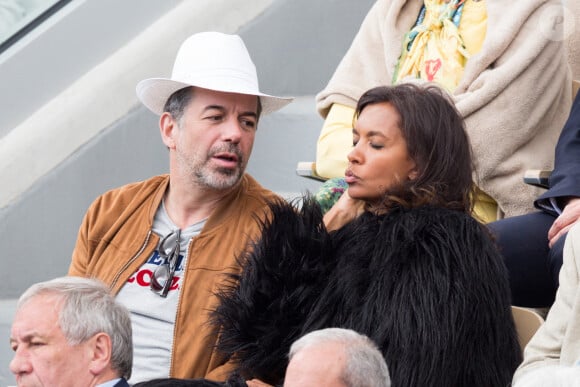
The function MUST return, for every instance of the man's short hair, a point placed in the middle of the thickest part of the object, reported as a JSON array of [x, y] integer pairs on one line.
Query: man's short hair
[[178, 101], [364, 365], [88, 308]]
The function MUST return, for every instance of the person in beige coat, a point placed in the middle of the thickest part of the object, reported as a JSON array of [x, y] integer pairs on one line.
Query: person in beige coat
[[557, 342]]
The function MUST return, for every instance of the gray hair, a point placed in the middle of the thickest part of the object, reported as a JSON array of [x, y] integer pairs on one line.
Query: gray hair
[[365, 364], [551, 376], [88, 308], [178, 101]]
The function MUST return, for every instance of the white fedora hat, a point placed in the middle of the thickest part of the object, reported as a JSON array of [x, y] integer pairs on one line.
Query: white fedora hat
[[210, 60]]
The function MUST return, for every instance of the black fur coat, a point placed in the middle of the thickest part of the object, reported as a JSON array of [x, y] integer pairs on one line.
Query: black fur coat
[[426, 284]]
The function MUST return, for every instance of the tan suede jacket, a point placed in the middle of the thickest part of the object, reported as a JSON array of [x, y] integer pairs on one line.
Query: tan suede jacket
[[115, 239]]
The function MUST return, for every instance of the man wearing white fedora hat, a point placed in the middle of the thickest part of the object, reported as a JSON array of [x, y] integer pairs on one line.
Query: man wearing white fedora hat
[[162, 245]]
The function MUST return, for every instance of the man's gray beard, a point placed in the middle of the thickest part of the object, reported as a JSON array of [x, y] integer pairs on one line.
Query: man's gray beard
[[219, 179], [201, 173]]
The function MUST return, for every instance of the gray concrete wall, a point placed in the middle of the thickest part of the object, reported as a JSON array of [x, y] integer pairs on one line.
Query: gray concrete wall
[[297, 44], [32, 75]]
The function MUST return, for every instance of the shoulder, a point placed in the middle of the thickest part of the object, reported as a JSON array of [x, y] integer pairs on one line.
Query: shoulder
[[245, 205], [431, 220], [122, 201], [122, 195], [457, 231], [430, 235], [254, 194], [423, 219], [139, 187]]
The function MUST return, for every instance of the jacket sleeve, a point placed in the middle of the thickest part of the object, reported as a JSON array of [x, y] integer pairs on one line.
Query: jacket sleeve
[[565, 178], [81, 253], [545, 348], [79, 262], [334, 142]]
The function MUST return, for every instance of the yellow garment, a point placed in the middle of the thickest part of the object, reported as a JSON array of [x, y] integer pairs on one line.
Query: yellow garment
[[484, 207], [473, 25], [334, 142], [436, 50]]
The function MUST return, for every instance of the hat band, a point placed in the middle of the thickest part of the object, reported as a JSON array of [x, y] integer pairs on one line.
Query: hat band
[[219, 79]]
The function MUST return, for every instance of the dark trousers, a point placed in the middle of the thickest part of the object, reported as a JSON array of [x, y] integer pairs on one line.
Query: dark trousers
[[533, 267]]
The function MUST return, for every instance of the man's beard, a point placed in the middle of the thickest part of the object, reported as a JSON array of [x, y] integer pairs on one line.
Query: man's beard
[[216, 178]]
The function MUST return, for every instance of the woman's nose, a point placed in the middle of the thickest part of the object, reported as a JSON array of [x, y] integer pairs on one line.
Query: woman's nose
[[354, 155]]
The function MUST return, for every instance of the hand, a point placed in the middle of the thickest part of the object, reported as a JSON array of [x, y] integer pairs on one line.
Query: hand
[[343, 211], [257, 383], [569, 216]]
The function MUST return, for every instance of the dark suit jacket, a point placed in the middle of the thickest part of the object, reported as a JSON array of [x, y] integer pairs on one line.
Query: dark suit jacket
[[565, 178]]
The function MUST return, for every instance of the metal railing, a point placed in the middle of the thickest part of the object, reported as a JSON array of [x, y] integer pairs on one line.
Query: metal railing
[[19, 17]]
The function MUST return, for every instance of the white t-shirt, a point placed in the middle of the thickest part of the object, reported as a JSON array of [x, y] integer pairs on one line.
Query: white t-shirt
[[152, 316]]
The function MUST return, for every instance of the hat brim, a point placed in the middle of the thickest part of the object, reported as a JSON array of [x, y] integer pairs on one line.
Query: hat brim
[[154, 93]]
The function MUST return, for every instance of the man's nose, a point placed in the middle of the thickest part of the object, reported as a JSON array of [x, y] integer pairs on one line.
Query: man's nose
[[232, 130], [20, 363]]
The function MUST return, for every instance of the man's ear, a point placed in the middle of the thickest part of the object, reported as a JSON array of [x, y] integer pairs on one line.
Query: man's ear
[[101, 352], [167, 127]]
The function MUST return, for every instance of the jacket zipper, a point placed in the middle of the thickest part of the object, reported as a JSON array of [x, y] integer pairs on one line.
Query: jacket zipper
[[129, 262], [179, 307]]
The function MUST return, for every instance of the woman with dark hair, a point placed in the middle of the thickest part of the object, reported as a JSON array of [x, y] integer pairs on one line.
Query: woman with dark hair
[[439, 145], [439, 149], [405, 264]]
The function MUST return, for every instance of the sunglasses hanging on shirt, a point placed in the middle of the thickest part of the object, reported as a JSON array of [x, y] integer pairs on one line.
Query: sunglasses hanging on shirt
[[162, 277]]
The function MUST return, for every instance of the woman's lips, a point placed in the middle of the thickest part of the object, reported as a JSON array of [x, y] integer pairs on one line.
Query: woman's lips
[[350, 177]]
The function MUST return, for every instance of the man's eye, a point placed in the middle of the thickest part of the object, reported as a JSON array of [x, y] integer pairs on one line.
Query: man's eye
[[214, 118], [249, 124]]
